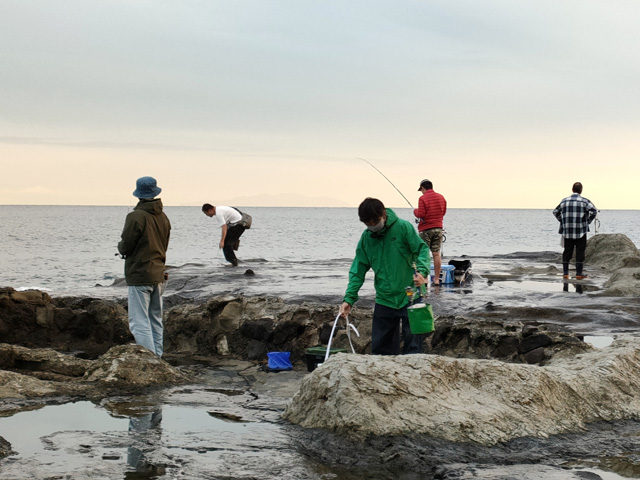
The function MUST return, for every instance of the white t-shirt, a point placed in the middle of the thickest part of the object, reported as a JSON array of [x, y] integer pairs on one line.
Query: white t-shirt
[[227, 215]]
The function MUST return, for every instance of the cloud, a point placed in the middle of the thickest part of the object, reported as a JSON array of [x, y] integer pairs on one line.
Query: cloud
[[421, 88]]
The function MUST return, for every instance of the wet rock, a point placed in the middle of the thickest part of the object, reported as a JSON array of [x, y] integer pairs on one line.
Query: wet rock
[[505, 340], [535, 356], [508, 472], [33, 319], [260, 329], [507, 347], [252, 326], [463, 400], [5, 448], [132, 367], [256, 350], [17, 386], [41, 361], [46, 373], [534, 342]]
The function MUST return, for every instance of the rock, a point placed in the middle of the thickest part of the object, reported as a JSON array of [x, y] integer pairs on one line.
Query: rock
[[33, 319], [507, 347], [506, 340], [132, 367], [259, 329], [46, 373], [617, 254], [511, 472], [464, 400], [624, 282], [535, 356], [252, 326], [17, 386], [534, 342], [611, 252], [44, 361], [5, 448]]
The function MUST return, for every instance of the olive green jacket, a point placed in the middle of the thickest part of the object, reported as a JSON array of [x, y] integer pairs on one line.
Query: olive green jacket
[[144, 243], [391, 254]]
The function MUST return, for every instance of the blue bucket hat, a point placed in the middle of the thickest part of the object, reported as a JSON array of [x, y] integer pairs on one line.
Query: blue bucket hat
[[146, 187]]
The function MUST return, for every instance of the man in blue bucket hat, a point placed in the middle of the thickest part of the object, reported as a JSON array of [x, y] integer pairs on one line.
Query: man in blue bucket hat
[[389, 246], [144, 243]]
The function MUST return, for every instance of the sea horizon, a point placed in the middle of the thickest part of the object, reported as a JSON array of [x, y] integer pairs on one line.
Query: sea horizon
[[65, 248], [298, 206]]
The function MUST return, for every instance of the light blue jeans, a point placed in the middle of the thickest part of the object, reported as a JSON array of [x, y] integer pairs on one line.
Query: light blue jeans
[[145, 316]]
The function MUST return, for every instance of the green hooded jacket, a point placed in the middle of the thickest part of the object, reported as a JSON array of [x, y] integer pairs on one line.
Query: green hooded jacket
[[144, 243], [391, 254]]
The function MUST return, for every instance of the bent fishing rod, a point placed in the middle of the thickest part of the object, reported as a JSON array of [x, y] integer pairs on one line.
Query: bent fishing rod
[[417, 220], [385, 177]]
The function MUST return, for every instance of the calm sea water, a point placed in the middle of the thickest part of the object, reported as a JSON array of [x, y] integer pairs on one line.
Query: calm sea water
[[71, 249]]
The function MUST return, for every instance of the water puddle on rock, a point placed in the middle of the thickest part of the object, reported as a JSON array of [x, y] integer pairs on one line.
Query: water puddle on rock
[[83, 438], [542, 286], [598, 342], [141, 441]]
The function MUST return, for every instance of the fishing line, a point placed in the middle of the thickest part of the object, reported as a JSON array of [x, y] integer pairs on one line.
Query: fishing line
[[444, 238], [385, 177]]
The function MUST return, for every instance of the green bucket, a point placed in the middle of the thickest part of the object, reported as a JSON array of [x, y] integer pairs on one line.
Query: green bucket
[[420, 318]]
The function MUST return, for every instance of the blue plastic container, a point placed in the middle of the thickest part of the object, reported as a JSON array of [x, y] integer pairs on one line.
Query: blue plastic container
[[446, 274], [279, 361]]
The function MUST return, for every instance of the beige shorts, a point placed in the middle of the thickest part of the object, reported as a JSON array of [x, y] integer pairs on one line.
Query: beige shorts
[[433, 238]]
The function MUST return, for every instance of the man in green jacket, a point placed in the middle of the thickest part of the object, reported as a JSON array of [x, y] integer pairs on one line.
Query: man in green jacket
[[144, 243], [390, 246]]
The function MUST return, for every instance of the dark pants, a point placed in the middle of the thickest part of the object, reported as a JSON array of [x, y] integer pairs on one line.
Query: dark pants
[[580, 245], [385, 332], [233, 236]]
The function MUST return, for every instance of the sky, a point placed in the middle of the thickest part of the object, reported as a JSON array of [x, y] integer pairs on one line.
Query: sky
[[501, 104]]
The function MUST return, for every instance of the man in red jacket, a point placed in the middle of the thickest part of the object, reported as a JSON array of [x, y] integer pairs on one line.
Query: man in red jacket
[[431, 209]]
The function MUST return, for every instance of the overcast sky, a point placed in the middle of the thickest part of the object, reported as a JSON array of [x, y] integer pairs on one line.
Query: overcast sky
[[502, 104]]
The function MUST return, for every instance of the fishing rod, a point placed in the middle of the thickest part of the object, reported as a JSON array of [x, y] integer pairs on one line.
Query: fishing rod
[[444, 238], [385, 177]]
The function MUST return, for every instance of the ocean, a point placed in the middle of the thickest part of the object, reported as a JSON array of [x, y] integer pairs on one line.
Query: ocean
[[71, 250], [300, 254]]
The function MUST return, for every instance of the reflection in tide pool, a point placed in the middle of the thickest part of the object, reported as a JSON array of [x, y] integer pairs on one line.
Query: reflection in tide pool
[[25, 430], [83, 437]]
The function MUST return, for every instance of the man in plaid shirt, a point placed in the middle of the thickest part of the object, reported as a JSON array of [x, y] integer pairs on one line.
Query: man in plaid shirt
[[574, 213]]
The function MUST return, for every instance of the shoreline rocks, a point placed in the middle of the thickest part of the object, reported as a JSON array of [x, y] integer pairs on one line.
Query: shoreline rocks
[[88, 353], [45, 373], [462, 400], [89, 326]]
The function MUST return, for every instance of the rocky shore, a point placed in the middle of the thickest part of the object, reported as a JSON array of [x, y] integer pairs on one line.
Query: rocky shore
[[498, 369]]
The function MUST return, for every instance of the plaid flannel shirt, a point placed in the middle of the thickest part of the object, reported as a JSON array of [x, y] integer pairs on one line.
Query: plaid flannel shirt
[[575, 213]]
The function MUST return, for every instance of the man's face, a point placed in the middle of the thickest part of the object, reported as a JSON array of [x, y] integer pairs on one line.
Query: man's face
[[378, 224], [210, 213]]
